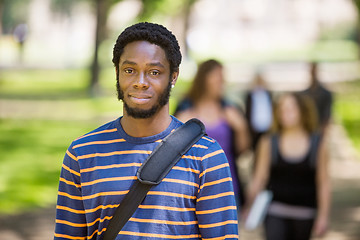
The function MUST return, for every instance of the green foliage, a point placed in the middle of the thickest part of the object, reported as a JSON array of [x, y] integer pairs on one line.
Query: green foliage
[[163, 7], [14, 12], [341, 31], [346, 109], [357, 4], [63, 7], [31, 157]]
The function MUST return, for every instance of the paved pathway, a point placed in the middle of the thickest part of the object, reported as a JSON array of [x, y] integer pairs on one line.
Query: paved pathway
[[345, 216]]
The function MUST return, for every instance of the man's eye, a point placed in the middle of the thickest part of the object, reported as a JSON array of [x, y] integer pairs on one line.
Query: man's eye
[[128, 70], [154, 73]]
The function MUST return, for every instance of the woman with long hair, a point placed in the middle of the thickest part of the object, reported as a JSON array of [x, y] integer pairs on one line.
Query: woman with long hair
[[292, 163], [222, 121]]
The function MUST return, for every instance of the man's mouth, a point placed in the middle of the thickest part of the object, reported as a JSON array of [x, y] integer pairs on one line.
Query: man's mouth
[[139, 98]]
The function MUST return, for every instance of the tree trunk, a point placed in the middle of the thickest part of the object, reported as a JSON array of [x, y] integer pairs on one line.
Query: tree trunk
[[187, 14], [357, 30], [1, 14], [102, 9]]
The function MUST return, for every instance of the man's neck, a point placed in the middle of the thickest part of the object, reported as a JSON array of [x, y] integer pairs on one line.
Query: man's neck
[[145, 127]]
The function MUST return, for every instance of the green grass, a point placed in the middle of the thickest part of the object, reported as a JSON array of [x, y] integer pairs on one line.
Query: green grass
[[51, 83], [347, 109], [31, 158]]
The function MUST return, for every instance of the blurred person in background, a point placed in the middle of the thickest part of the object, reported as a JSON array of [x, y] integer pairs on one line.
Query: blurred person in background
[[20, 34], [258, 111], [293, 163], [322, 98], [195, 200], [222, 121]]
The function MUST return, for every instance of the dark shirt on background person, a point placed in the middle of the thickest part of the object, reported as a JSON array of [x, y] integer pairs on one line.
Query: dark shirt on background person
[[322, 98]]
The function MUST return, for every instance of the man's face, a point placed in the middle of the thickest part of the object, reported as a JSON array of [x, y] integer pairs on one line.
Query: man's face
[[144, 82]]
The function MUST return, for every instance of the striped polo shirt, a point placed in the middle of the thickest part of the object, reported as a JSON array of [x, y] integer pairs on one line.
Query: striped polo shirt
[[194, 201]]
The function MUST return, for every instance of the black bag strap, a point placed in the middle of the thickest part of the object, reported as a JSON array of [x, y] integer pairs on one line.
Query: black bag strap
[[153, 170]]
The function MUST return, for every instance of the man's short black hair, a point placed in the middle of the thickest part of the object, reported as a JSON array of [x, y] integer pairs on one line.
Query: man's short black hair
[[153, 33]]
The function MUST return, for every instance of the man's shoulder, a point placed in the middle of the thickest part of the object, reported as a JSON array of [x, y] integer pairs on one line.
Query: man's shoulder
[[102, 132], [206, 145], [205, 142]]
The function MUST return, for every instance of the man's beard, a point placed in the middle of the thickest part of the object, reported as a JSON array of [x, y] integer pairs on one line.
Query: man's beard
[[145, 113]]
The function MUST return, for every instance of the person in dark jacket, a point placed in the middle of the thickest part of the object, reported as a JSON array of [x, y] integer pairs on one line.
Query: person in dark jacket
[[322, 98]]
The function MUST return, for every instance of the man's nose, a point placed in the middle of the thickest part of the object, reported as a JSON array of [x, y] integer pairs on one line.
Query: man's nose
[[141, 81]]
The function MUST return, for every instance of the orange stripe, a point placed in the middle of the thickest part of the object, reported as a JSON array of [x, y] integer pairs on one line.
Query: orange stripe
[[214, 168], [109, 180], [70, 223], [70, 170], [71, 155], [69, 237], [170, 194], [200, 146], [70, 209], [163, 221], [180, 181], [69, 182], [208, 139], [84, 225], [166, 208], [224, 237], [95, 133], [192, 157], [213, 154], [215, 196], [186, 169], [228, 179], [159, 235], [99, 220], [105, 194], [114, 153], [216, 210], [218, 224], [101, 207], [96, 231], [69, 196], [93, 195], [78, 238], [98, 142], [110, 167], [141, 206]]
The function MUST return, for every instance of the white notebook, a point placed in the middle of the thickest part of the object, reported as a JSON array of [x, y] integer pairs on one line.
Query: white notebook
[[258, 209]]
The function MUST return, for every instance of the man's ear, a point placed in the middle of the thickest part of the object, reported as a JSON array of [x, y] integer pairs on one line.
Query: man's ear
[[174, 77]]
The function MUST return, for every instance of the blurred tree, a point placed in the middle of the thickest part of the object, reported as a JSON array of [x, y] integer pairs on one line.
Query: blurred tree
[[13, 20], [12, 13], [180, 9], [101, 10], [357, 7], [1, 14]]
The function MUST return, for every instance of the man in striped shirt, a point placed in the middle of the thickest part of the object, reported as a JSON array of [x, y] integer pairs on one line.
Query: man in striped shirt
[[194, 201]]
